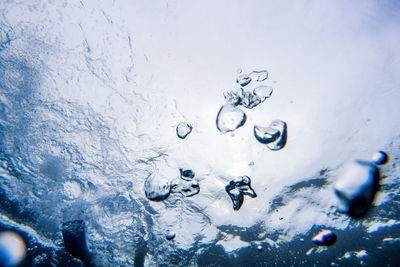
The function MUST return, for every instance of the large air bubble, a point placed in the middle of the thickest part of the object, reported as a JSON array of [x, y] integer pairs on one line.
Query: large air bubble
[[230, 118]]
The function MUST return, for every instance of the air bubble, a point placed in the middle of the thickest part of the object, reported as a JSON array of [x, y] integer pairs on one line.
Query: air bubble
[[263, 92], [12, 249], [157, 188], [356, 187], [380, 158], [259, 76], [250, 101], [324, 238], [187, 175], [274, 136], [186, 188], [259, 248], [266, 135], [243, 80], [234, 97], [170, 235], [183, 129], [237, 188], [230, 118]]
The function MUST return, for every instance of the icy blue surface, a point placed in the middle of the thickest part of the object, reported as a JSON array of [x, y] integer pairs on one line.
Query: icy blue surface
[[91, 93]]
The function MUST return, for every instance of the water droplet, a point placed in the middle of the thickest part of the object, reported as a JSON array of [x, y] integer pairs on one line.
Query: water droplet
[[170, 235], [259, 76], [234, 97], [324, 238], [274, 135], [230, 118], [186, 188], [263, 92], [237, 188], [157, 188], [243, 80], [380, 158], [259, 248], [187, 175], [356, 187], [266, 135], [183, 129]]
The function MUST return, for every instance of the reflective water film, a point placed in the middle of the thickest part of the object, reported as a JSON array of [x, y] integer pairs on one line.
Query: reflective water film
[[199, 133]]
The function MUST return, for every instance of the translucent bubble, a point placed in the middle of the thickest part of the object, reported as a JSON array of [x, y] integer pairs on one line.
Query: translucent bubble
[[186, 188], [259, 248], [324, 238], [170, 235], [230, 118], [259, 76], [243, 80], [266, 135], [237, 188], [157, 188], [12, 249], [356, 187], [187, 175], [183, 129], [263, 92], [274, 135], [250, 101], [380, 158], [234, 97]]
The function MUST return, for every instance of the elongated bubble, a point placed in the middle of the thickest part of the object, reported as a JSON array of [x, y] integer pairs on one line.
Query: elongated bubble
[[237, 188], [259, 76], [186, 188], [356, 187], [230, 118], [183, 129], [157, 188], [324, 238]]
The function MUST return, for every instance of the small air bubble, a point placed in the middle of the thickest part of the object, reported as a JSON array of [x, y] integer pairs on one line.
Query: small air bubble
[[183, 129], [259, 76]]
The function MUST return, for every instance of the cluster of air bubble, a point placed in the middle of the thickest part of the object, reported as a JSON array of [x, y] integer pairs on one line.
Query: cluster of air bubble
[[230, 116], [237, 188], [246, 98], [158, 188], [274, 136]]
